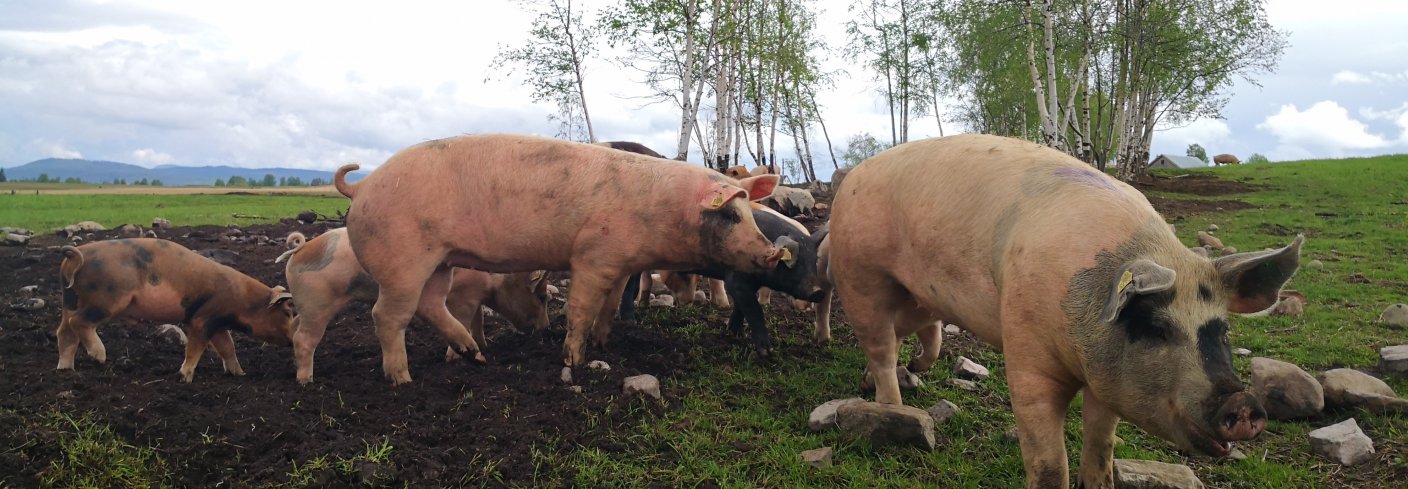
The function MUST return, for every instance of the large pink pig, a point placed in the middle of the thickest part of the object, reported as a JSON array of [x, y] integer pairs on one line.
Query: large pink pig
[[1068, 271], [507, 203]]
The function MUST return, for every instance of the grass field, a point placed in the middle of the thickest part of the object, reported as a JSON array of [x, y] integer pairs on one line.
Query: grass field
[[744, 423], [58, 205]]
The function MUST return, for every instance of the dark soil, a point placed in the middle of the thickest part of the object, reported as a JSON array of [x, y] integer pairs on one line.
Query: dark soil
[[1194, 184], [456, 424]]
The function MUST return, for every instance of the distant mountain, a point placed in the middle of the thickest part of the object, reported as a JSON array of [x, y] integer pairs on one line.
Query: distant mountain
[[105, 171]]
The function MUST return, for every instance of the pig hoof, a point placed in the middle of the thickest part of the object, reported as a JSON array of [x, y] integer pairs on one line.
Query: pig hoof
[[398, 378], [479, 358], [915, 367]]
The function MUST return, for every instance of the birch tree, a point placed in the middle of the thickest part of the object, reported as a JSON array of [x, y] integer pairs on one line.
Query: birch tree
[[558, 46]]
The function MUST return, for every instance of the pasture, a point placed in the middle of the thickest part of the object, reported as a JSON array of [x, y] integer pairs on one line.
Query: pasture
[[727, 420], [42, 207]]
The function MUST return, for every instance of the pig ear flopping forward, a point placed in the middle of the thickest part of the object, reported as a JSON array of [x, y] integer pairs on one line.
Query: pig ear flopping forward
[[719, 195], [278, 295], [1255, 278], [759, 187], [1138, 278]]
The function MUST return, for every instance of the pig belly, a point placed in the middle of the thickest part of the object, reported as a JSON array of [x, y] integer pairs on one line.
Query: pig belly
[[155, 304]]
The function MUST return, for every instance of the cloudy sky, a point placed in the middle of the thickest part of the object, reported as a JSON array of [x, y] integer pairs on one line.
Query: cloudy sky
[[315, 84]]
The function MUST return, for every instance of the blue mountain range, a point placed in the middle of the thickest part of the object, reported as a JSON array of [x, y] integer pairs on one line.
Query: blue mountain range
[[93, 171]]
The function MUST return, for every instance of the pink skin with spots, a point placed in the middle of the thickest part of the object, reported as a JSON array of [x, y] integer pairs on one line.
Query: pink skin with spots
[[508, 203]]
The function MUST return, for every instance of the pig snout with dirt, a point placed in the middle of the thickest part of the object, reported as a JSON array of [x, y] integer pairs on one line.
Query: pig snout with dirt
[[325, 275], [508, 203], [158, 280], [1071, 273]]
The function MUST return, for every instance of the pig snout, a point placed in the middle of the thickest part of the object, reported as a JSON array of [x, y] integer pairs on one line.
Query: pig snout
[[1240, 417]]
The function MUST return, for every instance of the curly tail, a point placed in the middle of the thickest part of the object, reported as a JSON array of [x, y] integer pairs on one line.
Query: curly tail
[[340, 179], [73, 260], [295, 242]]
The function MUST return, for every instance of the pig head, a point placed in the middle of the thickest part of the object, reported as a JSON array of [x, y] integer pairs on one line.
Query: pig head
[[1071, 273]]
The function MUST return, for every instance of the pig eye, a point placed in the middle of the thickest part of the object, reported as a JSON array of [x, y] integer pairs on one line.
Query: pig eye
[[1143, 318]]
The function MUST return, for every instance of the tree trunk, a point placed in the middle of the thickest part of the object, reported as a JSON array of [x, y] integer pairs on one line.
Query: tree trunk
[[822, 122]]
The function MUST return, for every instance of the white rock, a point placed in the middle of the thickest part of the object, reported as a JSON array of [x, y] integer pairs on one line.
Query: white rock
[[887, 424], [129, 231], [29, 289], [90, 226], [30, 304], [663, 300], [172, 331], [942, 410], [1148, 474], [642, 384], [1394, 359], [566, 375], [908, 380], [952, 330], [1285, 390], [970, 369], [1212, 228], [1395, 316], [966, 385], [160, 223], [1242, 352], [1343, 443], [657, 286], [552, 289], [1229, 250], [13, 239], [819, 458], [575, 388], [599, 365], [824, 416], [1208, 240], [1200, 251], [1315, 264], [1345, 387], [700, 296]]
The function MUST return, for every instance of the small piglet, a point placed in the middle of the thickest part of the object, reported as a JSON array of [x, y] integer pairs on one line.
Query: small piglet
[[326, 276], [158, 280]]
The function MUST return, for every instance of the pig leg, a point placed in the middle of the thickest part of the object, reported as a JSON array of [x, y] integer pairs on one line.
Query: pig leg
[[765, 295], [872, 314], [647, 283], [747, 310], [88, 335], [629, 296], [602, 329], [195, 347], [470, 313], [433, 309], [401, 286], [821, 332], [224, 345], [1098, 443], [68, 340], [1039, 403], [930, 339], [717, 292], [313, 321], [589, 289], [682, 286]]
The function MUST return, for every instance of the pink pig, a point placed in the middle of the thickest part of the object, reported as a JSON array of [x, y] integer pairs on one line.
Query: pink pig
[[507, 203]]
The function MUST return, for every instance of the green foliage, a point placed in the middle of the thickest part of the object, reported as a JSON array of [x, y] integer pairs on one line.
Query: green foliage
[[1257, 158], [219, 182], [92, 455], [559, 44], [156, 183], [859, 147], [268, 181], [43, 178], [2, 176], [238, 181], [1196, 150], [73, 180], [316, 182]]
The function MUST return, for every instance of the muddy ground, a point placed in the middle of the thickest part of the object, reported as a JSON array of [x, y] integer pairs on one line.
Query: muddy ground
[[448, 425]]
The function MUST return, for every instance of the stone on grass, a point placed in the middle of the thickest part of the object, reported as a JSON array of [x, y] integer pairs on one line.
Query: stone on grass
[[576, 389], [30, 304], [1395, 316], [130, 231], [599, 365], [819, 458], [942, 410], [29, 289], [1292, 305], [1315, 264], [970, 369], [159, 223], [966, 385], [1394, 359], [1212, 228], [1242, 352], [221, 256], [824, 416], [1209, 241], [1343, 443], [663, 300], [646, 385], [13, 239], [1148, 474], [700, 296], [887, 424], [1237, 454], [952, 330], [1346, 387], [1012, 435], [172, 332], [552, 289], [908, 380], [1285, 390], [566, 375]]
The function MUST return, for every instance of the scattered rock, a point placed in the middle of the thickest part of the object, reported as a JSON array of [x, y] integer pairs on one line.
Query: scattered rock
[[30, 304], [1148, 474], [576, 389], [1343, 443], [1229, 250], [821, 206], [663, 300], [942, 410], [552, 289], [1212, 228], [1358, 278], [887, 424], [790, 201], [642, 384], [566, 375], [76, 239], [1396, 316], [159, 223], [150, 233], [1012, 435], [1237, 454], [172, 332], [824, 416], [64, 394], [1200, 251], [90, 226], [1289, 305], [1242, 352], [1285, 390], [819, 458], [1394, 359], [20, 231], [307, 217], [130, 231], [1315, 264], [657, 286], [12, 239], [1346, 387], [221, 256], [700, 296], [966, 385], [970, 369], [564, 282], [29, 289], [1209, 241], [908, 380], [952, 330], [599, 365]]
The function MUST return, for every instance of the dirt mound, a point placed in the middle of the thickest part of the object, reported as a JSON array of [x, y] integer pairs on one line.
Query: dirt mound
[[1194, 184]]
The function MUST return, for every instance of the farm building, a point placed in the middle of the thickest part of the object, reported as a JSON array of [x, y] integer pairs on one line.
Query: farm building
[[1170, 161]]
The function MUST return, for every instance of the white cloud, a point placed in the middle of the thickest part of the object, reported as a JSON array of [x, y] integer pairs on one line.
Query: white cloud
[[1325, 125], [55, 149], [1208, 133], [1372, 77], [1350, 77], [151, 157]]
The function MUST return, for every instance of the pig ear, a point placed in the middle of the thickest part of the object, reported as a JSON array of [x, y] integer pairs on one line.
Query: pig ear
[[277, 295], [720, 194], [791, 250], [1255, 278], [1139, 278], [759, 187], [540, 282]]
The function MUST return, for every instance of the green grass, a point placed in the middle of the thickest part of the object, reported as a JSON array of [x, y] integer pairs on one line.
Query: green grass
[[44, 212], [745, 425], [94, 456]]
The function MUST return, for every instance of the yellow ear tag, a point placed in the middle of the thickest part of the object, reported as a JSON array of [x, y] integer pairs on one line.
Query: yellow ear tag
[[786, 254], [1125, 280], [717, 202]]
